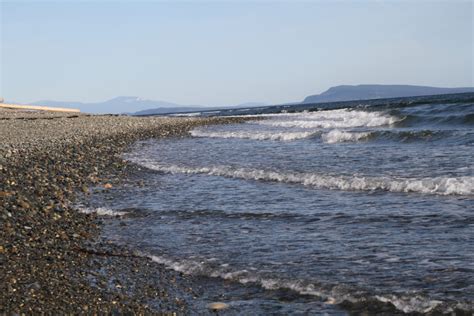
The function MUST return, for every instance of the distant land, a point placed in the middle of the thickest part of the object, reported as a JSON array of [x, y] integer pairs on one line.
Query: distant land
[[378, 91], [138, 106], [118, 105], [180, 109]]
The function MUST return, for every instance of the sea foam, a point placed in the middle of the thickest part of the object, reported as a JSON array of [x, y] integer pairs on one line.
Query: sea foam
[[434, 185], [331, 294], [255, 135], [331, 119], [101, 211], [338, 136]]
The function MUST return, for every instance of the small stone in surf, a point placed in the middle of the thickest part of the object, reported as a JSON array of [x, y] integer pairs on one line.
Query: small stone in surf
[[217, 306]]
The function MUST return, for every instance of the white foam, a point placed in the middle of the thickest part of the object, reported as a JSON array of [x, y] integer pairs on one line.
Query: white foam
[[337, 136], [410, 304], [101, 211], [255, 135], [185, 266], [436, 185], [330, 119], [186, 114], [242, 276], [330, 294], [305, 125]]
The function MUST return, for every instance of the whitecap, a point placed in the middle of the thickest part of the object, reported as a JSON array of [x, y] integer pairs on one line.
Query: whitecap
[[331, 294], [436, 185], [254, 135], [338, 136], [410, 304], [330, 119], [101, 211]]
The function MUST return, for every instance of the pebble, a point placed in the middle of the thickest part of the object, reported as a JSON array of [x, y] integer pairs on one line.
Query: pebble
[[217, 306], [46, 160]]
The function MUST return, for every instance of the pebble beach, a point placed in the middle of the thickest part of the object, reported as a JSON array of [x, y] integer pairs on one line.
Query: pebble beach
[[51, 256]]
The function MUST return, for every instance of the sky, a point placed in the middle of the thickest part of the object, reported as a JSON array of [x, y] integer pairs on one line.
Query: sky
[[228, 52]]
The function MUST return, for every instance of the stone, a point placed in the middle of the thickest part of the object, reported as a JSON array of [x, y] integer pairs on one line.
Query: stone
[[24, 204], [217, 306], [45, 162]]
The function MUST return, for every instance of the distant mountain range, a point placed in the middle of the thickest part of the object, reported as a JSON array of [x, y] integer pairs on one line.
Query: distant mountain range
[[139, 106], [135, 105], [123, 104], [180, 109], [377, 91]]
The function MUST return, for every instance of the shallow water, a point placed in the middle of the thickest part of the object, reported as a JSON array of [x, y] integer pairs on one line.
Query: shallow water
[[343, 206]]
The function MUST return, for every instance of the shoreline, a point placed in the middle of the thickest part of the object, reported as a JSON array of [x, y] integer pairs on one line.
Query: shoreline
[[54, 259], [51, 257]]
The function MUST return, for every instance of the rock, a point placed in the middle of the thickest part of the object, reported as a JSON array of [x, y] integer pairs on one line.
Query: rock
[[85, 189], [35, 286], [4, 194], [24, 204], [217, 306]]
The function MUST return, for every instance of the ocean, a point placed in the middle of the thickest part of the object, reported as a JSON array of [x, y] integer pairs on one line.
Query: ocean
[[313, 209]]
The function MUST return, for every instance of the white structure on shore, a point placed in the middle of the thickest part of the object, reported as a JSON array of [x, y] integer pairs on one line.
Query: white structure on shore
[[34, 107]]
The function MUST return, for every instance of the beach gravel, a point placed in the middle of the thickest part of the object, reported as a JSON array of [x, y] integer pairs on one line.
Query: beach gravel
[[50, 260]]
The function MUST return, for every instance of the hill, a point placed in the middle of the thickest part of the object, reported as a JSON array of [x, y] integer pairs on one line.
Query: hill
[[376, 91]]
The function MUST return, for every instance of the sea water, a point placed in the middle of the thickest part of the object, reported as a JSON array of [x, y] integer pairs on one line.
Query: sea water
[[342, 207]]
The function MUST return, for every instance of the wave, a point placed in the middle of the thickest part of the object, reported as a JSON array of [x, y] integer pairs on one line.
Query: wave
[[254, 135], [186, 114], [212, 213], [436, 185], [337, 136], [404, 136], [331, 293], [101, 211], [435, 120], [343, 118], [437, 114]]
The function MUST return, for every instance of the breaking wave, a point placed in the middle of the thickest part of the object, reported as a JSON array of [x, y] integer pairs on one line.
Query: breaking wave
[[101, 211], [331, 119], [337, 136], [255, 135], [435, 185], [331, 293]]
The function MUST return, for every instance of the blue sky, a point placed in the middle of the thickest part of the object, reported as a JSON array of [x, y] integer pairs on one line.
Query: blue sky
[[229, 52]]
